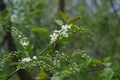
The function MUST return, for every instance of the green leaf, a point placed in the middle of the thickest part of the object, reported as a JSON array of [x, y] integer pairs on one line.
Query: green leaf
[[96, 61], [59, 22], [29, 48], [2, 76], [71, 20], [63, 16], [41, 30], [55, 78], [68, 39], [108, 73], [107, 59], [42, 75], [14, 63], [107, 64]]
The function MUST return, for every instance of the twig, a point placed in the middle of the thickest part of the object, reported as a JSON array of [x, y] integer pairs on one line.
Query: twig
[[27, 63], [31, 61], [12, 74]]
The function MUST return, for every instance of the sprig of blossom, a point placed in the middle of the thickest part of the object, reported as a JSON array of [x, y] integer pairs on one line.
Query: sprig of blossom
[[23, 40], [63, 32], [4, 59]]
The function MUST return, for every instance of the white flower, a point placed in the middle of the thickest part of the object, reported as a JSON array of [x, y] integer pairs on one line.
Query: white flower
[[65, 27], [65, 30], [34, 57], [58, 33], [65, 34], [19, 36], [14, 18], [24, 43], [53, 37], [26, 59]]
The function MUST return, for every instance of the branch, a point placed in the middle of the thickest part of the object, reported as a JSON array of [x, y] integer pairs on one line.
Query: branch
[[27, 63], [12, 74]]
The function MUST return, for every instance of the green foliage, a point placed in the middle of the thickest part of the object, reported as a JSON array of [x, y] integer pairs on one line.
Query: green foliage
[[59, 22], [63, 16], [61, 65], [4, 59], [71, 20], [43, 75], [40, 30], [68, 63], [108, 73]]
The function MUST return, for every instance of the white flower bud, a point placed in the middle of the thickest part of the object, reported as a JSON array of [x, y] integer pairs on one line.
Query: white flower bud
[[34, 57]]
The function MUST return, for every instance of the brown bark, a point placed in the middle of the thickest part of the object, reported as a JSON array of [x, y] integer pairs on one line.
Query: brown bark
[[23, 74], [2, 6], [62, 5]]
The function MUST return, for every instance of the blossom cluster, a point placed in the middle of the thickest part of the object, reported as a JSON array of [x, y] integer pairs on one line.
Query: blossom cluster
[[23, 40], [28, 59], [63, 32]]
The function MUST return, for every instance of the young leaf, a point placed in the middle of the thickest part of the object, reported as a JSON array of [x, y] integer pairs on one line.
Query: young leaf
[[71, 20], [59, 22], [96, 61], [41, 30], [63, 16]]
